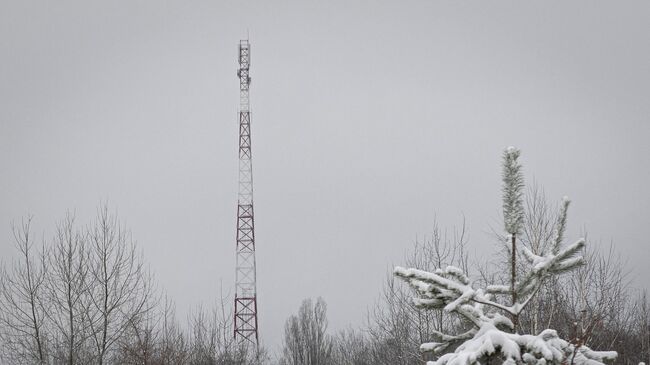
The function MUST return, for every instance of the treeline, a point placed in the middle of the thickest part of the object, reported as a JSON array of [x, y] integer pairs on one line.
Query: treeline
[[85, 296], [615, 317], [593, 305]]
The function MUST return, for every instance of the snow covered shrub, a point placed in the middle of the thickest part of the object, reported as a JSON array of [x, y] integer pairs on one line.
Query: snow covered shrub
[[490, 335]]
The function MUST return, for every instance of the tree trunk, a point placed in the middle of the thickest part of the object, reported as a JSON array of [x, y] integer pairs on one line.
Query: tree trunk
[[513, 277]]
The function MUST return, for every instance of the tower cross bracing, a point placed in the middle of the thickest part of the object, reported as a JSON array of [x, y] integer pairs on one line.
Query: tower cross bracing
[[245, 320]]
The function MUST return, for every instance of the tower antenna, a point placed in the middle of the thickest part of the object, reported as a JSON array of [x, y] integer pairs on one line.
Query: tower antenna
[[245, 321]]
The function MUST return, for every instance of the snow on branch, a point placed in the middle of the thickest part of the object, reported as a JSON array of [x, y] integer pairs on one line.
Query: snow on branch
[[491, 345], [451, 290], [543, 267], [560, 225], [513, 185]]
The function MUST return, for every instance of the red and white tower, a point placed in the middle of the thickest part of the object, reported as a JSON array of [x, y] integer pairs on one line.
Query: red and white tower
[[245, 320]]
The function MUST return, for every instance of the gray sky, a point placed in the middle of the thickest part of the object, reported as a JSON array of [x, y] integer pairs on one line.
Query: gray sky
[[370, 119]]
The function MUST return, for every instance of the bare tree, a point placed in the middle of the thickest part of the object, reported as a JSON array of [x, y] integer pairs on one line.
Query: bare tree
[[139, 345], [352, 348], [211, 340], [643, 321], [172, 344], [596, 300], [306, 341], [121, 290], [67, 294], [157, 339], [203, 337], [21, 307], [396, 327]]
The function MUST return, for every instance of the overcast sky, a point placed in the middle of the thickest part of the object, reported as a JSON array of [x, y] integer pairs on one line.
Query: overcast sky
[[370, 120]]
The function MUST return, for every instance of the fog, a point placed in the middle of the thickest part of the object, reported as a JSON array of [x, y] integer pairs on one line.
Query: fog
[[370, 121]]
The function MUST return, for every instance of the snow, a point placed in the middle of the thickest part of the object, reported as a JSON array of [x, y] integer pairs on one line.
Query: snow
[[498, 289], [451, 290], [490, 342], [513, 184]]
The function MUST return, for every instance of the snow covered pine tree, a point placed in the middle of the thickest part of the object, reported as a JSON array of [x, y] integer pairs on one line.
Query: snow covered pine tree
[[490, 337]]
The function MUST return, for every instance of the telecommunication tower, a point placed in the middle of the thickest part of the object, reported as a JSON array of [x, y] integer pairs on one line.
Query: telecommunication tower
[[245, 321]]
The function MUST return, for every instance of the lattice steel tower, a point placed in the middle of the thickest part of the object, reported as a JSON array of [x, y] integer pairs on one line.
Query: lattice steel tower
[[245, 320]]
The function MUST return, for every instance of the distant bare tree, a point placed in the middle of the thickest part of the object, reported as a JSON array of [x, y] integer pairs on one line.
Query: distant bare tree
[[67, 295], [596, 300], [203, 337], [172, 344], [306, 341], [139, 343], [121, 290], [211, 339], [642, 320], [22, 313], [352, 348], [396, 327]]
